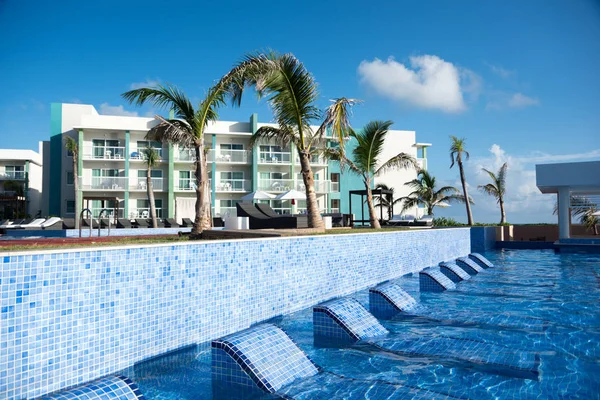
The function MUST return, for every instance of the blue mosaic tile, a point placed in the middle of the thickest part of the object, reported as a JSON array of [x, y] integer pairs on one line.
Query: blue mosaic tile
[[112, 387], [481, 260], [470, 266], [345, 320], [263, 356], [483, 238], [501, 359], [454, 272], [70, 317], [433, 280], [389, 299]]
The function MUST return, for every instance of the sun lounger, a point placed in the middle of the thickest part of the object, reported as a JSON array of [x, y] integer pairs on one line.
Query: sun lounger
[[258, 220], [68, 223], [124, 224], [171, 223], [86, 223], [296, 221], [402, 220], [143, 223], [33, 225], [53, 224], [425, 220], [187, 223]]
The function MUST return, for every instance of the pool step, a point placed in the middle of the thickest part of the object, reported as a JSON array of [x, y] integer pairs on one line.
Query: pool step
[[481, 260], [389, 299], [111, 387], [344, 321], [469, 265], [433, 280], [494, 358], [259, 359], [454, 272]]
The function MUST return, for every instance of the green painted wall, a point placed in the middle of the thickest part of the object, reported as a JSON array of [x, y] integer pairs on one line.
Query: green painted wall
[[55, 167], [253, 129], [213, 181], [127, 155], [171, 183], [79, 195]]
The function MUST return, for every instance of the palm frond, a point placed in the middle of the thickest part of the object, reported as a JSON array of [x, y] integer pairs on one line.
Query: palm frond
[[163, 96], [400, 161], [150, 156], [71, 144], [457, 150], [370, 144], [281, 136], [172, 131], [337, 119], [490, 189]]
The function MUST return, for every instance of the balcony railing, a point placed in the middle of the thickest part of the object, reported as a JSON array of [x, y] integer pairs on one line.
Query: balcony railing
[[283, 185], [233, 185], [229, 156], [422, 163], [144, 213], [138, 154], [103, 153], [157, 184], [226, 212], [105, 183], [15, 175], [314, 160], [274, 157], [187, 185], [186, 155]]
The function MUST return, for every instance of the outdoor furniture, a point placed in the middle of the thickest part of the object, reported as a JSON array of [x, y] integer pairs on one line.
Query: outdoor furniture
[[33, 225], [259, 220], [402, 220], [85, 222], [53, 223], [104, 222], [337, 219], [236, 223], [218, 222], [143, 223], [171, 223], [68, 223], [301, 221], [124, 224], [186, 223], [425, 220]]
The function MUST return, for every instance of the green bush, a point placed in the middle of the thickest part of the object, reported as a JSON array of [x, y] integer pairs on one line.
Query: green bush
[[443, 221]]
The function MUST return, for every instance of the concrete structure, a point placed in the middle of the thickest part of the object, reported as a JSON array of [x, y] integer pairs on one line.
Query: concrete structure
[[20, 183], [113, 170], [571, 182]]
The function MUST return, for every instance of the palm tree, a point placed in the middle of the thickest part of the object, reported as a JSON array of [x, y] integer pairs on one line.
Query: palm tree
[[366, 159], [497, 188], [426, 194], [188, 127], [384, 201], [291, 91], [151, 157], [457, 150], [72, 146], [584, 209]]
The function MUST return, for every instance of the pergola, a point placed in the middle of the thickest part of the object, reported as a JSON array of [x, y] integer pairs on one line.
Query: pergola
[[577, 185], [389, 195]]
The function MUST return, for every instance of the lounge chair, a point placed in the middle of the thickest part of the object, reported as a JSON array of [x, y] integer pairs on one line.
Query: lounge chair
[[53, 224], [171, 223], [425, 220], [337, 219], [259, 220], [86, 223], [17, 224], [33, 225], [187, 223], [104, 223], [301, 221], [218, 222], [402, 220], [68, 223], [4, 222], [124, 224], [143, 223]]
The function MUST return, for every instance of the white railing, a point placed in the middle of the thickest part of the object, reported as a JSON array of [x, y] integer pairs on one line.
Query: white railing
[[233, 185], [105, 183], [335, 186], [314, 160], [422, 163], [103, 153], [188, 155], [274, 157], [138, 154], [157, 184], [229, 156], [16, 175], [111, 213], [144, 213], [334, 210], [226, 212], [283, 185], [187, 185]]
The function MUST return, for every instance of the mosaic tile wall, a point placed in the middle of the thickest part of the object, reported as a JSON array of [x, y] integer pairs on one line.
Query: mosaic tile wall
[[469, 265], [74, 233], [481, 260], [388, 299], [433, 280], [345, 315], [455, 273], [67, 318], [109, 388], [483, 238]]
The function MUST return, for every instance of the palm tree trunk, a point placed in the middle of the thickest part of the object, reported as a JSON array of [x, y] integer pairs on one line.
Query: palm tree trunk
[[151, 196], [203, 219], [465, 193], [372, 214], [76, 187], [502, 213], [312, 206]]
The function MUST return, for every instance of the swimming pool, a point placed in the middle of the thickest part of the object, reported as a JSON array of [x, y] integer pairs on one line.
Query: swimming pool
[[548, 305]]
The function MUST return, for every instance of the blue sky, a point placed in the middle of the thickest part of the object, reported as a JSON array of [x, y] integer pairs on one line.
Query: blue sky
[[518, 79]]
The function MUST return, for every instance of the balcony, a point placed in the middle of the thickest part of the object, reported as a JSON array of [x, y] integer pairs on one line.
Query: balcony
[[116, 183], [233, 185], [140, 184], [229, 156], [314, 160], [103, 153], [13, 175], [274, 157], [283, 185], [226, 212], [138, 154], [185, 155], [422, 163]]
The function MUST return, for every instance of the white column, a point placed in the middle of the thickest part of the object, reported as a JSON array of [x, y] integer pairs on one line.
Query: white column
[[564, 199]]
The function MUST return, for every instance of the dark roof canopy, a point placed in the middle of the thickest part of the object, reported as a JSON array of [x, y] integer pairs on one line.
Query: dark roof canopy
[[376, 192]]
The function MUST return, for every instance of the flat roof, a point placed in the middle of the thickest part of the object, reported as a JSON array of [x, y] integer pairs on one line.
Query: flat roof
[[583, 177]]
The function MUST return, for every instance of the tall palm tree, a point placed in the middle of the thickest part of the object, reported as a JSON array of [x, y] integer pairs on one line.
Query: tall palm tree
[[72, 146], [583, 208], [497, 188], [291, 91], [384, 201], [365, 159], [188, 127], [151, 157], [457, 151], [426, 194]]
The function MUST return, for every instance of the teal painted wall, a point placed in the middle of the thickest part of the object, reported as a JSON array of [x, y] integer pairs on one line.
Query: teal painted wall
[[253, 129], [55, 167]]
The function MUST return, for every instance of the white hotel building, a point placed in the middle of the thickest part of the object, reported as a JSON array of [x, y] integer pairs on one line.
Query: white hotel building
[[113, 170]]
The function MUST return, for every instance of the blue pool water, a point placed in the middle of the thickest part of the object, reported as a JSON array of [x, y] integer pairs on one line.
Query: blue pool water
[[527, 329]]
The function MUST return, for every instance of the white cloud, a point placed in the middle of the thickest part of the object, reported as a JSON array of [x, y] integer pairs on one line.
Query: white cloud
[[519, 100], [147, 83], [429, 82], [500, 71], [107, 109], [499, 100]]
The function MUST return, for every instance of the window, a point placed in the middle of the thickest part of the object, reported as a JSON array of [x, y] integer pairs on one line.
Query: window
[[108, 179], [69, 153], [335, 205], [70, 207], [274, 154], [15, 172], [102, 148], [143, 207], [143, 144], [70, 177], [231, 146], [335, 177], [186, 180], [279, 206], [335, 182], [155, 173], [111, 205]]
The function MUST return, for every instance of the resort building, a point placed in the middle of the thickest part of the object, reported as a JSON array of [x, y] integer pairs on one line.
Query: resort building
[[113, 169], [20, 183]]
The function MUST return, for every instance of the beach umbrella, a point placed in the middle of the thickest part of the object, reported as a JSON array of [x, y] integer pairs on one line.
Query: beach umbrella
[[596, 214], [292, 195], [257, 195]]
